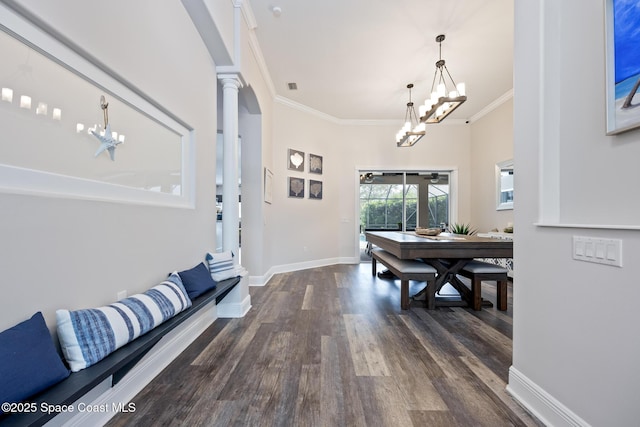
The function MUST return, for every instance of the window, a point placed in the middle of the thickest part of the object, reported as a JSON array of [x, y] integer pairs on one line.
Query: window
[[504, 185]]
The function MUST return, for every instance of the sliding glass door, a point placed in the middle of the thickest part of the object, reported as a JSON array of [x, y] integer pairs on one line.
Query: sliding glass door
[[403, 200]]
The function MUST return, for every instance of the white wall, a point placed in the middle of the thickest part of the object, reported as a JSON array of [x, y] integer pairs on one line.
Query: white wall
[[491, 143], [576, 352], [328, 228], [60, 253]]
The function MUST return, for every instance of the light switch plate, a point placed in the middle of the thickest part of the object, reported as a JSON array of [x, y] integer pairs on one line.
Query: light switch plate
[[600, 251]]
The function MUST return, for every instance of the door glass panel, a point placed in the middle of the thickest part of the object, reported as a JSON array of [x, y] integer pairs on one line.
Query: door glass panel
[[402, 201]]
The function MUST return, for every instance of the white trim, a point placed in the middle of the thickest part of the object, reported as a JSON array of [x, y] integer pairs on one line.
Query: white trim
[[16, 180], [305, 109], [353, 122], [234, 310], [287, 268], [588, 226], [489, 108], [541, 404]]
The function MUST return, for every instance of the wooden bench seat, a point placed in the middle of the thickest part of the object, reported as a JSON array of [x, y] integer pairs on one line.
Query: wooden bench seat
[[116, 365], [405, 270], [478, 271]]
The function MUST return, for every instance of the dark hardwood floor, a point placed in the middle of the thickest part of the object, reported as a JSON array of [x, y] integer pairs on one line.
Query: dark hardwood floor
[[330, 347]]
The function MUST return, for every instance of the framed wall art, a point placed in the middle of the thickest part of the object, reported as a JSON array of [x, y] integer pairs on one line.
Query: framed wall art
[[296, 187], [295, 160], [315, 189], [315, 163], [622, 65], [268, 185]]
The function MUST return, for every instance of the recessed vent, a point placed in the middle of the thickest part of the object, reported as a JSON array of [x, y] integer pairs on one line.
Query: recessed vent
[[292, 86]]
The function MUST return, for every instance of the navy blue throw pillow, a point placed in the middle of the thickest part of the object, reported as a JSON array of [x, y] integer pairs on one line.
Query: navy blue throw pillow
[[197, 280], [29, 362]]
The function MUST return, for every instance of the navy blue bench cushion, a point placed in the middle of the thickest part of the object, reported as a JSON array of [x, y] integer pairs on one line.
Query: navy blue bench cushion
[[197, 280], [29, 362]]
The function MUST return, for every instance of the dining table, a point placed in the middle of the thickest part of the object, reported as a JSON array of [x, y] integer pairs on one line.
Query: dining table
[[448, 253]]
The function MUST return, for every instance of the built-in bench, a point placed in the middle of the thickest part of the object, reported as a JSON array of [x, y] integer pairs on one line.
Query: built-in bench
[[116, 365], [478, 271], [405, 270]]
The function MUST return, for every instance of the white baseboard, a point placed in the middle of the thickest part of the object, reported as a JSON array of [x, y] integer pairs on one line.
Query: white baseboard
[[234, 310], [160, 356], [541, 404], [286, 268]]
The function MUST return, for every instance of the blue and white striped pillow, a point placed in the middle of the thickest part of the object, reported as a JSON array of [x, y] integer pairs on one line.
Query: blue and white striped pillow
[[88, 336], [221, 265]]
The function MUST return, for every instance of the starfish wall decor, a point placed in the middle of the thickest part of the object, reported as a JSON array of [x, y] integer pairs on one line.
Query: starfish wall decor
[[107, 141]]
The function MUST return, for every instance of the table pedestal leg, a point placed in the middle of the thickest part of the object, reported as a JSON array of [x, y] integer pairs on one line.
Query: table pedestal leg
[[446, 274]]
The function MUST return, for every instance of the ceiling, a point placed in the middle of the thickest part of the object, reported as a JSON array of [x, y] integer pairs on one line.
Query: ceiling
[[353, 59]]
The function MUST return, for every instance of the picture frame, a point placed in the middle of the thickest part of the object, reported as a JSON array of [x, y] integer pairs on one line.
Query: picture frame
[[315, 164], [315, 189], [295, 160], [295, 187], [268, 186], [622, 66]]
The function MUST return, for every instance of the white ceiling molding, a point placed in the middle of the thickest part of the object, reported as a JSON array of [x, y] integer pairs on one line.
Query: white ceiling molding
[[247, 13], [489, 108]]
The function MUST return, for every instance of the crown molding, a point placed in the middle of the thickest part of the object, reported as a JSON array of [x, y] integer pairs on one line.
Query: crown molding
[[489, 108], [254, 45]]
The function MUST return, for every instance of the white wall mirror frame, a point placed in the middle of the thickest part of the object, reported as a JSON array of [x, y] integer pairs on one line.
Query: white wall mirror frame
[[504, 185], [31, 178]]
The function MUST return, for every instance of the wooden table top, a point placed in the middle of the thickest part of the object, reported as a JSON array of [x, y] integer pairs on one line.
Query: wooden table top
[[409, 245]]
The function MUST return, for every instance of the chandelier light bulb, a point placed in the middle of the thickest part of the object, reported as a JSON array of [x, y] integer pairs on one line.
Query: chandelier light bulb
[[25, 102], [41, 109], [7, 94], [462, 89]]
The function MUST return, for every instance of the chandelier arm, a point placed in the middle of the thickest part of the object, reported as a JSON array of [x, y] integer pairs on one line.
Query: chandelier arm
[[450, 78], [435, 75], [413, 116]]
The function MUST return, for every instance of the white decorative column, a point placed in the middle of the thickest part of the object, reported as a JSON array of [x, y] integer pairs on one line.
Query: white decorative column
[[230, 193], [238, 301]]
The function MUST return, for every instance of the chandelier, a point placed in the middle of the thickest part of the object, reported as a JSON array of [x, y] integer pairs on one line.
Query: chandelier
[[412, 130], [443, 100]]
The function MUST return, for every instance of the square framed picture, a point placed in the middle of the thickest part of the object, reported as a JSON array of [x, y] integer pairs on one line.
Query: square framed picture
[[315, 189], [296, 187], [295, 160], [622, 65], [315, 163]]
